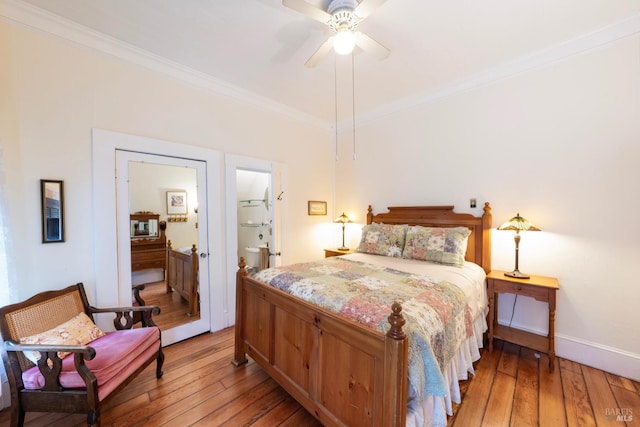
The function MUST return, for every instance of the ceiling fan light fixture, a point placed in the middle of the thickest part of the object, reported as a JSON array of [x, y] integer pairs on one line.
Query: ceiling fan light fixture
[[344, 41]]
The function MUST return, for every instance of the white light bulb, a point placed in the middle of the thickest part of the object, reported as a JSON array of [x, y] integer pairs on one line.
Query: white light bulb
[[344, 42]]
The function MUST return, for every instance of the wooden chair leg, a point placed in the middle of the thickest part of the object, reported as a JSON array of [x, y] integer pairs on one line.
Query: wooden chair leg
[[93, 419], [160, 362], [17, 416]]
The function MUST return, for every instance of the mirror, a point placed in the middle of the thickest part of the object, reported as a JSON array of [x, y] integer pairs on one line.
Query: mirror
[[143, 227], [52, 203], [164, 276]]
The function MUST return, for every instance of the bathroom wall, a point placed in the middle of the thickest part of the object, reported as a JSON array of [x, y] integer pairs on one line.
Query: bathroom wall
[[253, 212]]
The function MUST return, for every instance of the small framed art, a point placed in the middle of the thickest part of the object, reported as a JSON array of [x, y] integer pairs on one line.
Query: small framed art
[[176, 202], [52, 203], [317, 208]]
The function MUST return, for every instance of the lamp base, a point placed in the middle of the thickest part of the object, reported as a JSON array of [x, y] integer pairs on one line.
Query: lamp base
[[343, 248], [516, 274]]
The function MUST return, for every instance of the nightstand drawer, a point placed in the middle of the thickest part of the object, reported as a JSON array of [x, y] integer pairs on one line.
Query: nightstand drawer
[[148, 256], [148, 259], [536, 292]]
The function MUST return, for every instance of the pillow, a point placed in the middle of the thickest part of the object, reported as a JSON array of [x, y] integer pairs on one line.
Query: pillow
[[383, 239], [435, 244], [186, 250], [79, 330]]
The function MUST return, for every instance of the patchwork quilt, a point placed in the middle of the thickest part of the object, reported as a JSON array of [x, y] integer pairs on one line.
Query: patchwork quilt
[[438, 317]]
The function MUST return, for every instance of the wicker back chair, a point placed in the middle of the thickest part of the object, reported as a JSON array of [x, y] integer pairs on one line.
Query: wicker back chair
[[44, 312]]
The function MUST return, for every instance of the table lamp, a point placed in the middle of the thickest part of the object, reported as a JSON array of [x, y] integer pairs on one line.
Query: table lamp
[[343, 219], [519, 224]]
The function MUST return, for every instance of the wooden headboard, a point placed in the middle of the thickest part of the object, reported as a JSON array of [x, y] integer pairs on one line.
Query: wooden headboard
[[479, 246]]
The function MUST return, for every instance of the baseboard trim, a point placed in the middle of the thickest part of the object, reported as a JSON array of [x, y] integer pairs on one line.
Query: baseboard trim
[[608, 359], [600, 356]]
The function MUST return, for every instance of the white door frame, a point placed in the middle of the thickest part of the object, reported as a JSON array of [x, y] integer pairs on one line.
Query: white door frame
[[104, 144], [277, 187]]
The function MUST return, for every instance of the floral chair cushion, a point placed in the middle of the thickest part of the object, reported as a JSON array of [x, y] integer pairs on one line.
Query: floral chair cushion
[[79, 330]]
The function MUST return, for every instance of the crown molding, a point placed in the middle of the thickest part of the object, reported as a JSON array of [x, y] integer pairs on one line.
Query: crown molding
[[542, 58], [44, 22], [34, 18]]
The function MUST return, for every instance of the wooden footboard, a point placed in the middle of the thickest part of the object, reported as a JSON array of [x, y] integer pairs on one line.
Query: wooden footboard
[[182, 276], [341, 372]]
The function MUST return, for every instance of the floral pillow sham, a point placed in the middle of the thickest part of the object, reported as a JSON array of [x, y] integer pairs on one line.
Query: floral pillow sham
[[441, 245], [383, 239]]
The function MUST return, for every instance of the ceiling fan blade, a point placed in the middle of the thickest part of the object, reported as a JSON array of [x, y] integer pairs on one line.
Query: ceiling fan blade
[[307, 10], [320, 53], [371, 46], [365, 7]]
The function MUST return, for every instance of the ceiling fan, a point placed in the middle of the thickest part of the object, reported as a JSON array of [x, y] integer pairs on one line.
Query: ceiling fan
[[342, 17]]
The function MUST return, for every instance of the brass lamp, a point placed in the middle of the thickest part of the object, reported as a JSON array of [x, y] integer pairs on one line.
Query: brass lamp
[[343, 219], [519, 224]]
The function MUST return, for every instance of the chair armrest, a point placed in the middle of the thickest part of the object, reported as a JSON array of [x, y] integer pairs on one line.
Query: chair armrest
[[86, 351], [151, 308], [125, 313], [51, 373]]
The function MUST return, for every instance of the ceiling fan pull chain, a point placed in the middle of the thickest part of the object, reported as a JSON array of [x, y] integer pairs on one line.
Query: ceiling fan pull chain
[[353, 103], [335, 89]]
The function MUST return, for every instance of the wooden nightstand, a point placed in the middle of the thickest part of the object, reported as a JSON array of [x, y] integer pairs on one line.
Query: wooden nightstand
[[337, 252], [539, 287]]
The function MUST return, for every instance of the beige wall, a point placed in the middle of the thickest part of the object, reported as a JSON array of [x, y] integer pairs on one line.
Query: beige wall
[[58, 92], [557, 144], [560, 145]]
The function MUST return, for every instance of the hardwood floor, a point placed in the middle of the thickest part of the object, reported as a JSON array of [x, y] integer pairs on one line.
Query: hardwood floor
[[173, 308], [512, 387]]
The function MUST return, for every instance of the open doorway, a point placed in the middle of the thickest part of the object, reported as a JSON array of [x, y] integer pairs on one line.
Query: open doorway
[[255, 199], [255, 222]]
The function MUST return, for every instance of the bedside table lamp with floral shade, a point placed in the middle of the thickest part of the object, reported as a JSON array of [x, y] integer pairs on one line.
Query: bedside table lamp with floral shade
[[343, 219], [518, 224]]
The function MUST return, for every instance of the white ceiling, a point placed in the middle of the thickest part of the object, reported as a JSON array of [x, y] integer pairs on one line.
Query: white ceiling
[[261, 46]]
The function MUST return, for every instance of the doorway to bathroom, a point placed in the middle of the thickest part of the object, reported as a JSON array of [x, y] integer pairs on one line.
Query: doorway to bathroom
[[255, 205], [255, 224]]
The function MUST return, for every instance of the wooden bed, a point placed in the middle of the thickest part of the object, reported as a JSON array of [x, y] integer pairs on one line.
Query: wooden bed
[[340, 371], [182, 276]]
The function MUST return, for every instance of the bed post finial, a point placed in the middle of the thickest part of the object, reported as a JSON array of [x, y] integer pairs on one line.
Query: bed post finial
[[369, 215], [242, 266], [397, 321]]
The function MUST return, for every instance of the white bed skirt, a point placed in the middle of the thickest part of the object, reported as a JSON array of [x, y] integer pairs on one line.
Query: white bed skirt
[[434, 409]]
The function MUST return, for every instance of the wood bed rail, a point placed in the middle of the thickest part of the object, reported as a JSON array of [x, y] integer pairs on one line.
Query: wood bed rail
[[341, 372]]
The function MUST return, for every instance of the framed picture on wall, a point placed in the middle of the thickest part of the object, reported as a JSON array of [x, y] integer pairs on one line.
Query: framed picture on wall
[[317, 208], [176, 202], [52, 204]]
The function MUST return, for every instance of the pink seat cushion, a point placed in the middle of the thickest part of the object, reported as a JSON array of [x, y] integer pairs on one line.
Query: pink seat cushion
[[118, 354]]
